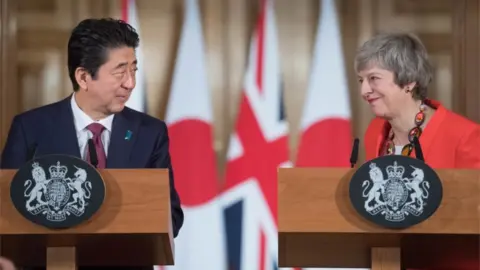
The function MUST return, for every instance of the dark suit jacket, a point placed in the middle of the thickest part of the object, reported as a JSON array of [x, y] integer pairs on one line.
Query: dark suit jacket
[[50, 130]]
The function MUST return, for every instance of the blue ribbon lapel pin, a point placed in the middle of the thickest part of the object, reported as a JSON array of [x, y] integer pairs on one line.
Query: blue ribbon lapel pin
[[128, 135]]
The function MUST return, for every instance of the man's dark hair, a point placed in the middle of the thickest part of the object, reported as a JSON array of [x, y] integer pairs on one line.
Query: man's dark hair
[[91, 40]]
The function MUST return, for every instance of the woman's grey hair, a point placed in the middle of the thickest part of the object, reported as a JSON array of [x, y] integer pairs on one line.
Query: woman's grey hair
[[402, 54]]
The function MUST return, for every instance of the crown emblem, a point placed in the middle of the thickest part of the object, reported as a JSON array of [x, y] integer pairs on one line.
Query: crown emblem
[[35, 165], [395, 171], [58, 171], [373, 165]]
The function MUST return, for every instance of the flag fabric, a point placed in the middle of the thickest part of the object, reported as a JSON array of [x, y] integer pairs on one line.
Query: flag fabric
[[200, 243], [257, 148], [326, 138], [325, 125], [137, 98]]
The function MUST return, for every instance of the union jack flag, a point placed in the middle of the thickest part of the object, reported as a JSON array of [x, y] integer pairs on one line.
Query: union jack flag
[[258, 147]]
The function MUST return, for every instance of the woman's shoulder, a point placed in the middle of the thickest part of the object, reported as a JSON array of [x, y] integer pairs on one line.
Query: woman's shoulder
[[459, 124], [465, 134]]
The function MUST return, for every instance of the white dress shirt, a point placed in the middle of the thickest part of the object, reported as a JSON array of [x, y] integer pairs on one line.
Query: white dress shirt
[[82, 120]]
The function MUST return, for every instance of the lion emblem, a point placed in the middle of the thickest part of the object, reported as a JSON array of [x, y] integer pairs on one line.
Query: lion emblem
[[39, 187], [378, 187]]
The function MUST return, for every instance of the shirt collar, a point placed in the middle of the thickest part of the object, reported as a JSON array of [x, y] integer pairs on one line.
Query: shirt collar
[[82, 120]]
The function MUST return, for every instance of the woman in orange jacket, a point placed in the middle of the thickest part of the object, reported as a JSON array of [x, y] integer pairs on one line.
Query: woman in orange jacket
[[394, 72]]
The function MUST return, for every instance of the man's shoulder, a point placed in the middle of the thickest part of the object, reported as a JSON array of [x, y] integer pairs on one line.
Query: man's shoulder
[[40, 113], [146, 120]]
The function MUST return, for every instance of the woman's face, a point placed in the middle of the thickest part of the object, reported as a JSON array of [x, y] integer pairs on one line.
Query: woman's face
[[378, 89]]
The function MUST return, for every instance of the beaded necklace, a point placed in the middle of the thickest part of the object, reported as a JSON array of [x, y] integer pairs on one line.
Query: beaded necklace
[[414, 132]]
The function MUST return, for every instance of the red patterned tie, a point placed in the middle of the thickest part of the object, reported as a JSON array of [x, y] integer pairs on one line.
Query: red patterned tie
[[97, 129]]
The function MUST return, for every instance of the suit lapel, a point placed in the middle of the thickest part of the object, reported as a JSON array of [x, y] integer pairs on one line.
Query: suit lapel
[[121, 145], [65, 138]]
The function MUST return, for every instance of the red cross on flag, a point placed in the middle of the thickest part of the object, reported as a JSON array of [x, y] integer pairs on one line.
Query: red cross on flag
[[258, 147]]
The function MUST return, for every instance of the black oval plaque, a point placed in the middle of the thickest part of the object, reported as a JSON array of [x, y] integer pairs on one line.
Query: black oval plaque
[[395, 191], [57, 191]]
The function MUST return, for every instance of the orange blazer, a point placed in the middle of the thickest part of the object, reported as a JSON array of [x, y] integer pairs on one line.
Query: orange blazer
[[448, 141]]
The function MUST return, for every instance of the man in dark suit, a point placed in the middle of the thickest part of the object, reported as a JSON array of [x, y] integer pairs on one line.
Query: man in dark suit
[[102, 66]]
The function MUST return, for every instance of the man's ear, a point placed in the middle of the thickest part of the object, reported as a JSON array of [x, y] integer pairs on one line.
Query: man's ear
[[82, 76]]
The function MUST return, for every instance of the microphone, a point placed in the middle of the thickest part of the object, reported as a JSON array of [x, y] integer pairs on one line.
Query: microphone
[[93, 153], [354, 155], [418, 149], [32, 151]]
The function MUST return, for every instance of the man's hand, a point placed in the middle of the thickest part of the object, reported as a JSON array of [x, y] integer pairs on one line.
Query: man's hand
[[6, 264]]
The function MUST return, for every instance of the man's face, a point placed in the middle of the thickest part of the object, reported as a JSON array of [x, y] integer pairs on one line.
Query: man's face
[[115, 80]]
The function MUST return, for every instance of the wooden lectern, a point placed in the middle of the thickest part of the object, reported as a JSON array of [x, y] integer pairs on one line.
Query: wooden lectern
[[318, 226], [132, 228]]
